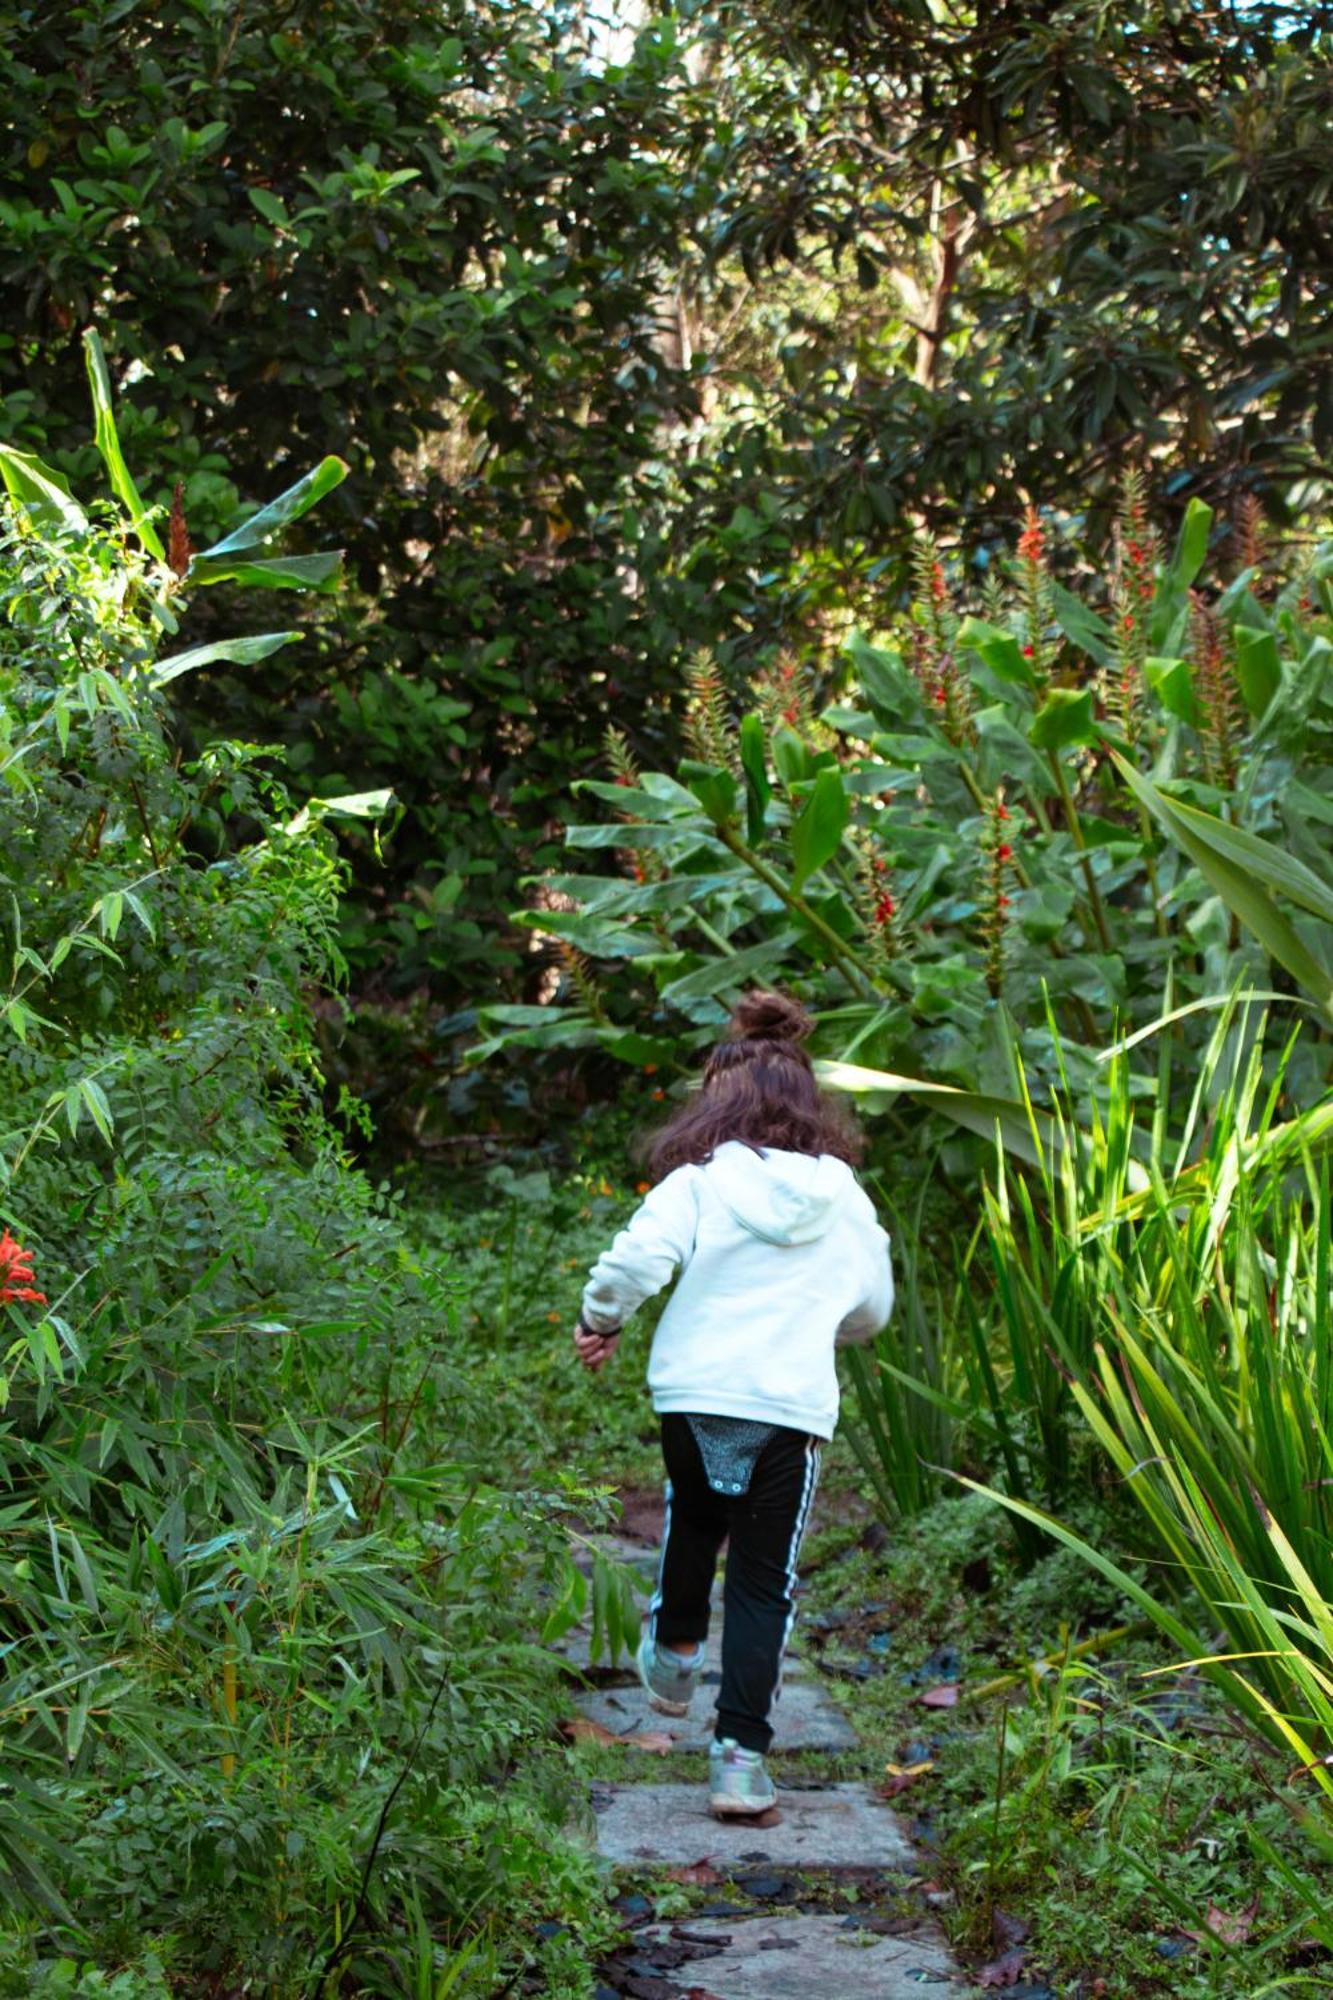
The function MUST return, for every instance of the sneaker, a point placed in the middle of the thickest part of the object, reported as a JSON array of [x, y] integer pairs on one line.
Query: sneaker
[[738, 1785], [668, 1678]]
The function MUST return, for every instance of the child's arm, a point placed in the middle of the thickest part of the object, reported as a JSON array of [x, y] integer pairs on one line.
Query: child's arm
[[864, 1321], [658, 1238]]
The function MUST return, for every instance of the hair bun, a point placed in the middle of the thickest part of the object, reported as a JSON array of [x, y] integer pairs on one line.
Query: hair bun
[[769, 1017]]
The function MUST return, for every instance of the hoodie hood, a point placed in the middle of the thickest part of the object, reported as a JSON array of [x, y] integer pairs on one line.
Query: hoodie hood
[[779, 1197]]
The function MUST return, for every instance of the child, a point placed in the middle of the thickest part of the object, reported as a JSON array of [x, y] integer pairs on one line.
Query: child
[[780, 1258]]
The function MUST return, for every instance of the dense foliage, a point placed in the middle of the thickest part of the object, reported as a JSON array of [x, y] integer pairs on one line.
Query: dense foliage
[[266, 1615], [632, 355]]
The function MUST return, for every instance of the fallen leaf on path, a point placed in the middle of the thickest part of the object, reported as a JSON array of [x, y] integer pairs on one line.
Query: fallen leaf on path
[[1008, 1930], [1006, 1970], [699, 1874], [582, 1729], [897, 1777], [943, 1696], [1231, 1930]]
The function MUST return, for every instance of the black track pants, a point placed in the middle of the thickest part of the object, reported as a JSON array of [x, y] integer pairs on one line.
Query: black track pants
[[763, 1530]]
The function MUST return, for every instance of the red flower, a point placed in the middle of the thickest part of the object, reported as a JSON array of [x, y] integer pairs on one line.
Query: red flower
[[1003, 902], [884, 909], [16, 1274], [941, 696], [1135, 552], [1004, 852], [1001, 812], [1028, 652], [1128, 621], [791, 715], [1031, 543]]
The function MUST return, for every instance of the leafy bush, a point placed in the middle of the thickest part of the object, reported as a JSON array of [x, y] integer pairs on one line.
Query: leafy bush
[[266, 1679]]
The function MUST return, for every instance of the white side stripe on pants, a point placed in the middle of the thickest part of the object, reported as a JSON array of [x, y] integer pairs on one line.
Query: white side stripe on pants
[[655, 1604], [812, 1462]]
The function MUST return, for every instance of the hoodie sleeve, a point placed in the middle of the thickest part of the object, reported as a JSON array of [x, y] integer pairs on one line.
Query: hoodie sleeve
[[656, 1241], [864, 1321]]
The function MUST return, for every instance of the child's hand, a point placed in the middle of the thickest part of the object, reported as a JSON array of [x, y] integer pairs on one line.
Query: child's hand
[[593, 1349]]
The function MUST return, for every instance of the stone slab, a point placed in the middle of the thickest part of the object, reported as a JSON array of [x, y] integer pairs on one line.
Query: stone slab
[[803, 1718], [839, 1826], [805, 1958]]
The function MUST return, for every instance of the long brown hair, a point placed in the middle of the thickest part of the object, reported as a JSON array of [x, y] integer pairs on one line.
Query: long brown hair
[[758, 1087]]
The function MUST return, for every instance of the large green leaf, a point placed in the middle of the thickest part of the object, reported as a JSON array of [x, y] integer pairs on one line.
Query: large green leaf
[[758, 791], [1019, 1126], [317, 572], [280, 513], [108, 443], [1191, 545], [1171, 681], [889, 685], [1064, 717], [714, 788], [347, 805], [1082, 627], [726, 975], [40, 492], [1246, 872], [999, 649], [243, 652], [1258, 668], [817, 830]]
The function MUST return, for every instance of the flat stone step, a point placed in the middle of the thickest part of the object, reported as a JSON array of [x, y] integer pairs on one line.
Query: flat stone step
[[839, 1826], [803, 1718], [801, 1958]]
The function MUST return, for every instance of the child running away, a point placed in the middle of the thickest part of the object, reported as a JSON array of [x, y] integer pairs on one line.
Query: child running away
[[780, 1260]]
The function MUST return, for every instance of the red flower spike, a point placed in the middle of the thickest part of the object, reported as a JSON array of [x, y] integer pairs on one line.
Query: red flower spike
[[16, 1274], [1031, 543]]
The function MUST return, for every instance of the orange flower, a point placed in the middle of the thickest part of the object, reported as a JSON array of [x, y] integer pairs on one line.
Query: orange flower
[[1031, 543], [658, 1095], [642, 1187], [16, 1274]]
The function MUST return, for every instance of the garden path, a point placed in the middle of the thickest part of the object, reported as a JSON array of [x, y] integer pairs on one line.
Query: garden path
[[833, 1858]]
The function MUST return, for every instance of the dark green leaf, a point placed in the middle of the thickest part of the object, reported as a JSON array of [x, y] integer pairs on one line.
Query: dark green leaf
[[758, 791], [1064, 717]]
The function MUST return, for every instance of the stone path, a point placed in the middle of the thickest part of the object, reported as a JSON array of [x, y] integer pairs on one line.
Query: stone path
[[823, 1842]]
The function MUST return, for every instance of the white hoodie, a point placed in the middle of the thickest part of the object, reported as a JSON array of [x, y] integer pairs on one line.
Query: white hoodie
[[780, 1257]]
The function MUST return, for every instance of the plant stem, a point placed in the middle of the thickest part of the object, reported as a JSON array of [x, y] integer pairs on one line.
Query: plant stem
[[714, 936], [1149, 862], [1075, 826], [856, 974]]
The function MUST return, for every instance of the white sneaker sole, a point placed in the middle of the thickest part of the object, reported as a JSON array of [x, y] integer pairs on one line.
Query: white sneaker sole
[[723, 1807], [662, 1705]]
